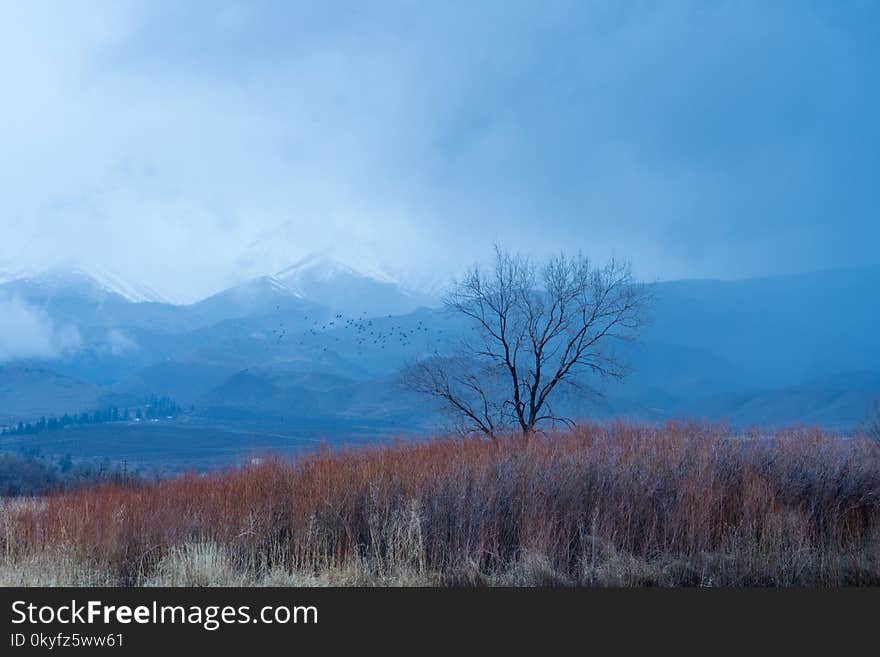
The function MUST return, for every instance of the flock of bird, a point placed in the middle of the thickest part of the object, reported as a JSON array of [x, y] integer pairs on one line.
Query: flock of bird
[[368, 332]]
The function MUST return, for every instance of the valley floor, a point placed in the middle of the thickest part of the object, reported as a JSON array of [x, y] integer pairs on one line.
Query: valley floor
[[610, 505], [187, 444]]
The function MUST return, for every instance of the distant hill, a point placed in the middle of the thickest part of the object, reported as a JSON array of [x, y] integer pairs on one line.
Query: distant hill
[[782, 330], [324, 342], [28, 392]]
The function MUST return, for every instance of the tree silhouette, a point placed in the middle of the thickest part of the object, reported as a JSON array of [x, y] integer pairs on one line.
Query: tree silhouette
[[534, 329]]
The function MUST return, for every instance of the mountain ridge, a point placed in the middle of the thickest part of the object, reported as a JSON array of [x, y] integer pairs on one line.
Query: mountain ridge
[[741, 350]]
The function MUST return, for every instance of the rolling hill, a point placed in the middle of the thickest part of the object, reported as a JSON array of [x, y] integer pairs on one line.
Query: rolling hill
[[322, 344]]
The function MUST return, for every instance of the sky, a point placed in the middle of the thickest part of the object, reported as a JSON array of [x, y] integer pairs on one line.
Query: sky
[[190, 145]]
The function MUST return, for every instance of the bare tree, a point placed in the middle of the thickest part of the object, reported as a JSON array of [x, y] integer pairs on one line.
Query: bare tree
[[533, 329]]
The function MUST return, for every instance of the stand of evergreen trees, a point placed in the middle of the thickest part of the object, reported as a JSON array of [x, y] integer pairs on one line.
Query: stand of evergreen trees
[[154, 407]]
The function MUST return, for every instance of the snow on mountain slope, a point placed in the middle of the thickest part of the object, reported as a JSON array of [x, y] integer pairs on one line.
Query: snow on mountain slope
[[126, 288], [254, 290], [355, 292], [94, 282], [323, 267], [258, 296]]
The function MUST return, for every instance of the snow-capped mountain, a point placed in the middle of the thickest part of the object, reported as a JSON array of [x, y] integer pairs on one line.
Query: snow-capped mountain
[[93, 282], [325, 280], [265, 294], [317, 280], [131, 290], [323, 266], [272, 250]]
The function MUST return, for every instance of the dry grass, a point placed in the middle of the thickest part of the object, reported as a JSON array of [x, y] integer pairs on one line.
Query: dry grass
[[621, 505]]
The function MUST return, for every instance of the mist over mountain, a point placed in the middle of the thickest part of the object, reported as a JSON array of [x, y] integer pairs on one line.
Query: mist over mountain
[[346, 289], [318, 349], [92, 282]]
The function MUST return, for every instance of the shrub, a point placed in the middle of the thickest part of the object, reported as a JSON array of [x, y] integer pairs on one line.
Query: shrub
[[598, 505]]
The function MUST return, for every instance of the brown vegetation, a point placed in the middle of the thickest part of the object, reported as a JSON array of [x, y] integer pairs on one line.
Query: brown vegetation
[[598, 505]]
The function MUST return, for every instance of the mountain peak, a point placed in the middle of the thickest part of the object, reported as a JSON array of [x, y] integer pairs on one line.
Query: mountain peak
[[262, 286], [323, 266], [355, 290], [93, 281]]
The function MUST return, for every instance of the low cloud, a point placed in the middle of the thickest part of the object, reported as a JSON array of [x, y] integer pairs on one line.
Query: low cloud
[[28, 332], [120, 343], [187, 146]]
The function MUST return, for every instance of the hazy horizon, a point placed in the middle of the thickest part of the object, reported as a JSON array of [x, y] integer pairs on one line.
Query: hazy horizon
[[436, 287]]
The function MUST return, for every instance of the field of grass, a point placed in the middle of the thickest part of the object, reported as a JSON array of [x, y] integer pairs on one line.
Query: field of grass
[[611, 505]]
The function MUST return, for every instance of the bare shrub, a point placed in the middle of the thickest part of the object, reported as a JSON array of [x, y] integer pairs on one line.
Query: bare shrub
[[599, 505], [196, 564]]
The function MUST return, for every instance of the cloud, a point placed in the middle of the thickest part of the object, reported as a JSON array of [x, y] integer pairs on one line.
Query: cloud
[[175, 142], [27, 332], [120, 343]]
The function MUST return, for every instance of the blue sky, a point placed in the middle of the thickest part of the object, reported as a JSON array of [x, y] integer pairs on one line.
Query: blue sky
[[190, 144]]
